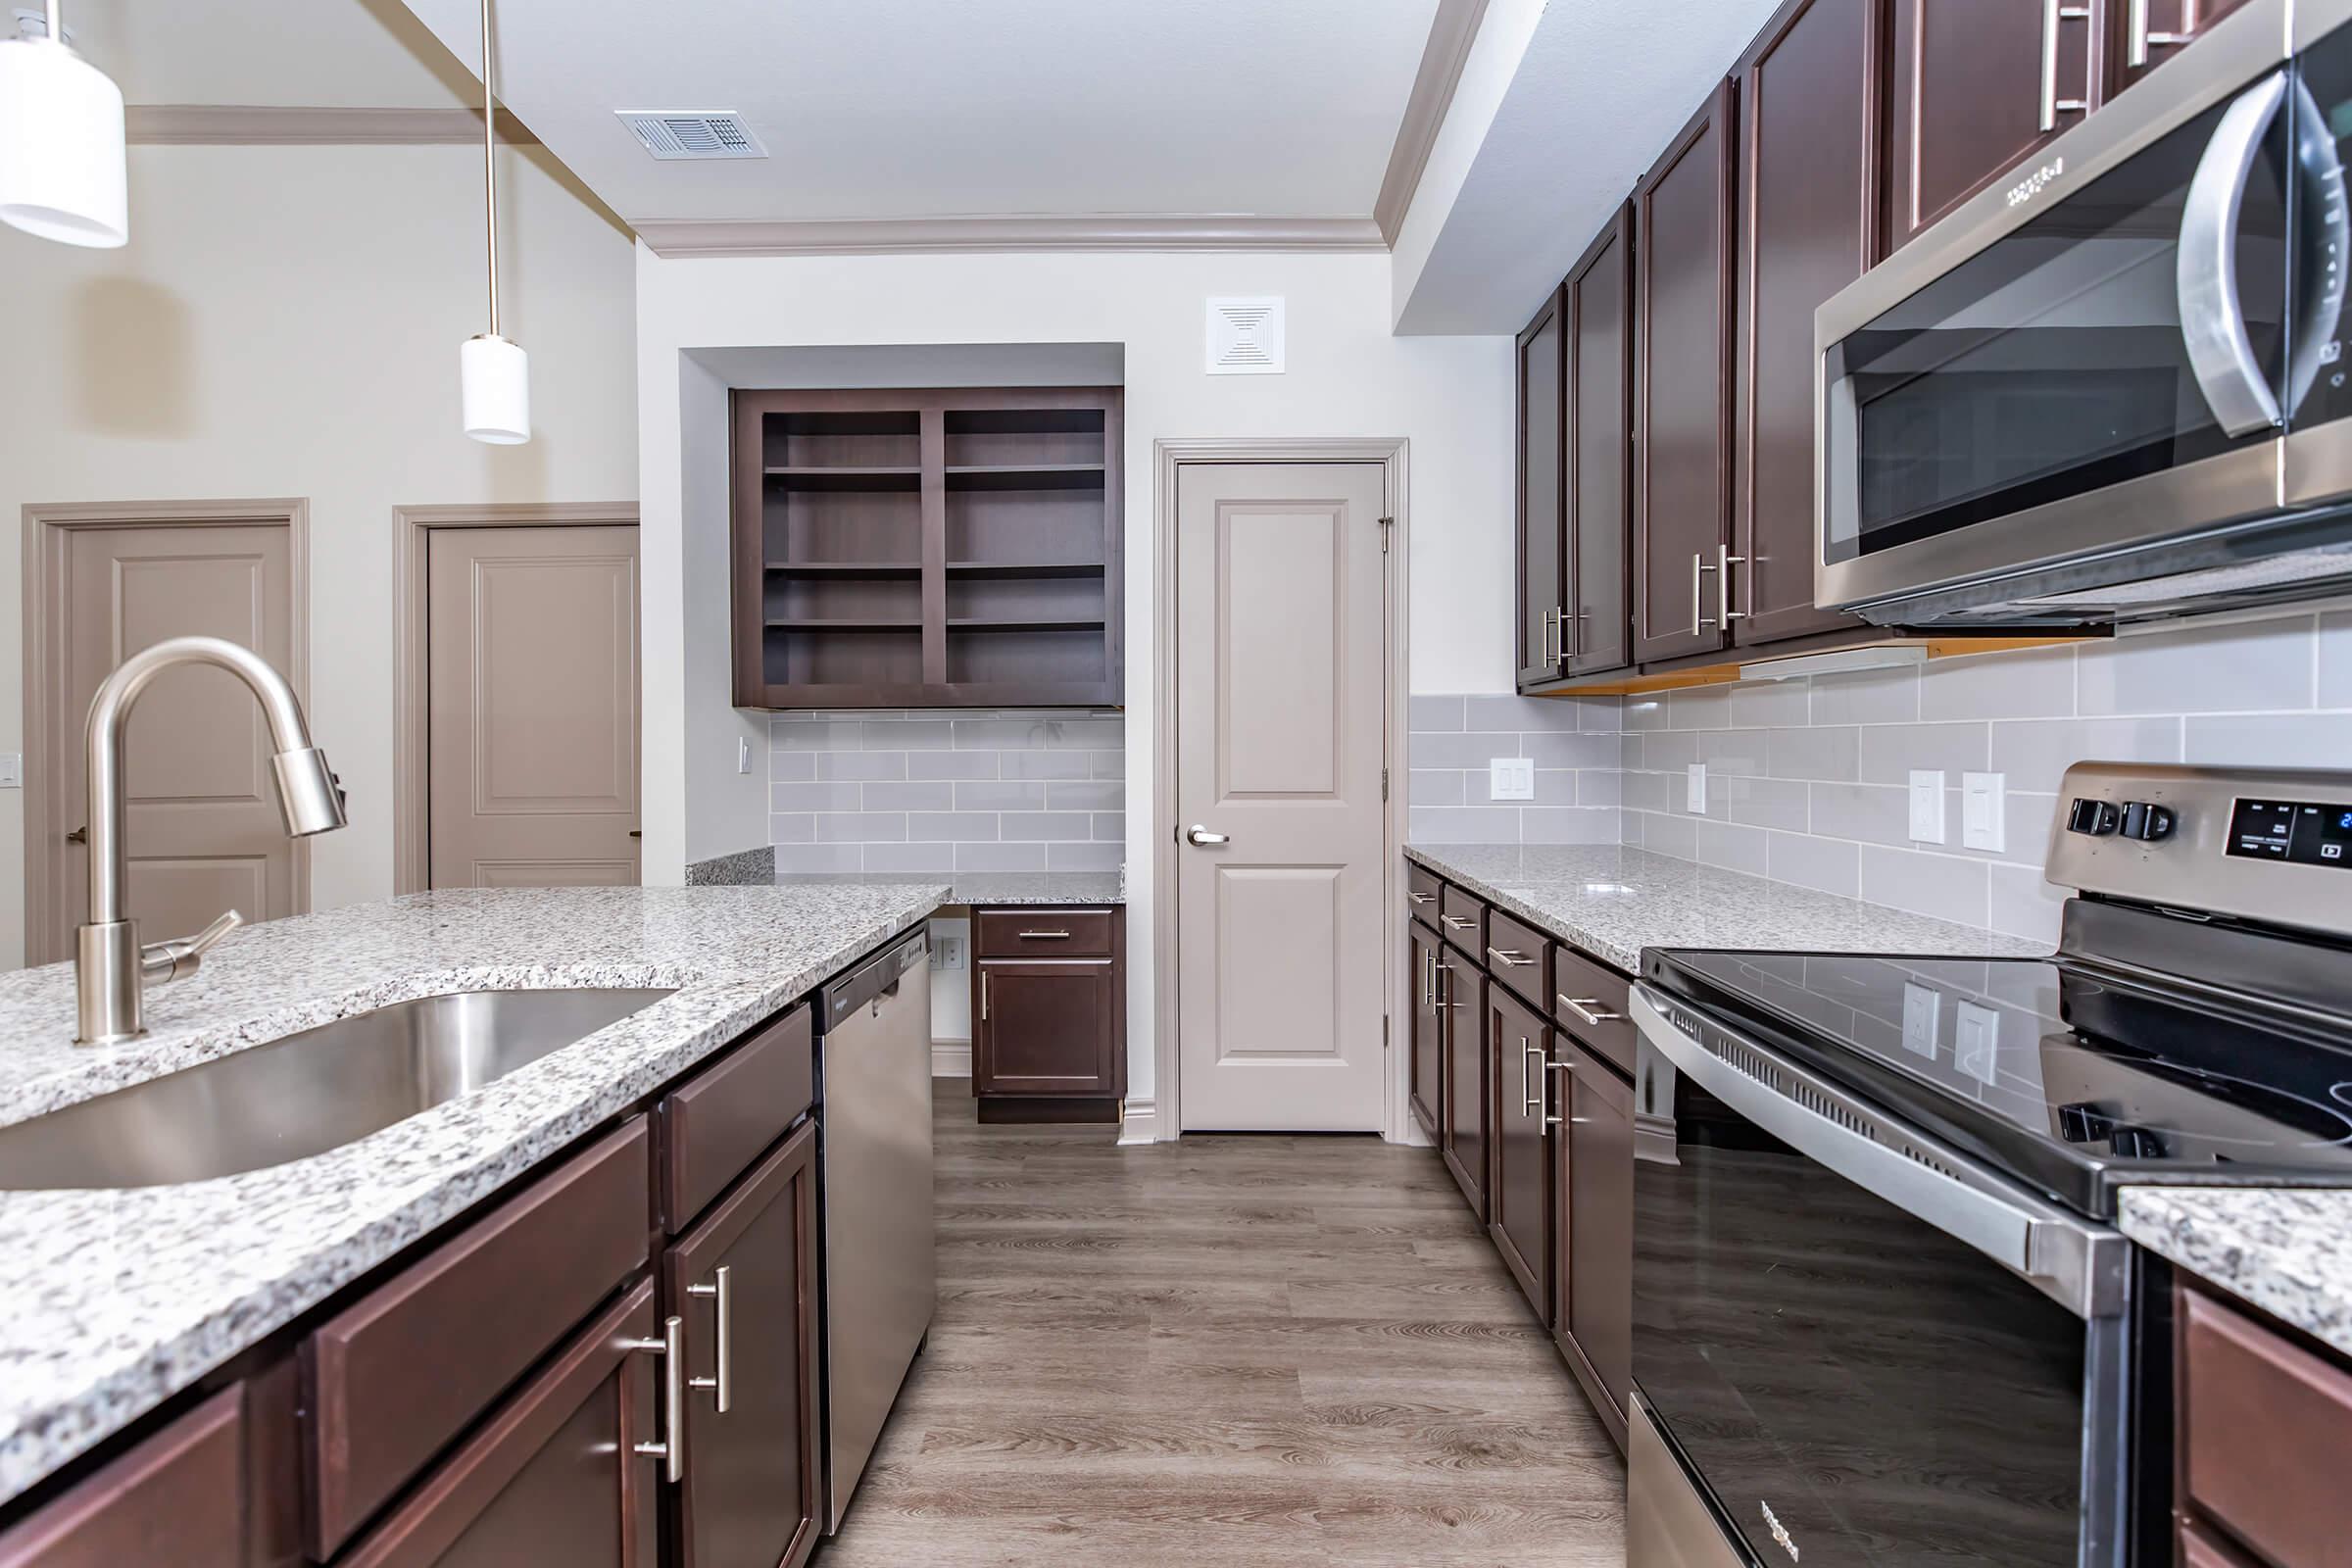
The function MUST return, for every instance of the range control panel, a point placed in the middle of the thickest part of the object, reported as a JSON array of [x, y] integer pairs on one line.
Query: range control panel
[[2257, 845]]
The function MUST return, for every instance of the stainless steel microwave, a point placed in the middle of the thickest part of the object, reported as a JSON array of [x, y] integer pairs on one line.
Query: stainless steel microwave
[[2112, 385]]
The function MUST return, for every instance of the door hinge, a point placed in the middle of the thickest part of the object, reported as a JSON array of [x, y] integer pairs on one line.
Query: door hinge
[[1384, 1031], [1383, 783], [1386, 525]]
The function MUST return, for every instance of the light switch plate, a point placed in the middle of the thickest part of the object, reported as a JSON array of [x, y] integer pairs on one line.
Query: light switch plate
[[1695, 800], [1923, 1011], [11, 771], [1976, 1039], [1510, 778], [1927, 805], [1984, 821]]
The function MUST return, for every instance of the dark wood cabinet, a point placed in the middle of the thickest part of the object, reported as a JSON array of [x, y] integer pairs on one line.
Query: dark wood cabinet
[[2145, 33], [176, 1496], [1519, 1207], [1809, 160], [1682, 387], [1543, 564], [1428, 1042], [1597, 305], [2262, 1422], [1462, 997], [1049, 1034], [744, 1281], [1593, 1240]]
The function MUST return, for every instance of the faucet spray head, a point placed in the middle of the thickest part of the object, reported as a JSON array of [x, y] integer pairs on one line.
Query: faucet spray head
[[307, 792]]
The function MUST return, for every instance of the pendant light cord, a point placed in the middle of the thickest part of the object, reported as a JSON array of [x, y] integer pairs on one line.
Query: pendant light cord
[[489, 154], [57, 26]]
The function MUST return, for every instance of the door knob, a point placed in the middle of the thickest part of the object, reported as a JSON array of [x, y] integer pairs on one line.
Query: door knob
[[1201, 838]]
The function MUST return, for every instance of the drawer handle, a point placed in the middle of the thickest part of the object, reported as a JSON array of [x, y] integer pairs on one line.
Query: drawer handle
[[1550, 1068], [722, 1292], [1583, 1008], [671, 1349], [1454, 922], [1528, 1098], [1422, 898], [1045, 936], [1446, 971], [1510, 961], [984, 995]]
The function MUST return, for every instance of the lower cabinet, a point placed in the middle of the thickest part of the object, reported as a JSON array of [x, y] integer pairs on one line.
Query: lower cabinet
[[176, 1496], [1428, 1043], [1519, 1208], [1462, 1000], [1049, 1014], [2261, 1424], [1593, 1234], [743, 1281]]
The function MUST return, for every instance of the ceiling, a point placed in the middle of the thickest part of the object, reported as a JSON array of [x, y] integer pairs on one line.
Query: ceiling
[[918, 109], [339, 54]]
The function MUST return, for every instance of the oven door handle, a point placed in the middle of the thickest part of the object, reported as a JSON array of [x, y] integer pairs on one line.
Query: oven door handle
[[2213, 316], [2077, 1264]]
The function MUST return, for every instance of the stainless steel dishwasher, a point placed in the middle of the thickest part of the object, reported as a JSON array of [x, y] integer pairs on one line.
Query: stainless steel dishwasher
[[874, 1180]]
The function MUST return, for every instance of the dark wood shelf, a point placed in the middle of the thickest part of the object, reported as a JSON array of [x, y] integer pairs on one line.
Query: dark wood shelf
[[1025, 476], [848, 568], [845, 624], [1029, 624], [1025, 569], [907, 478]]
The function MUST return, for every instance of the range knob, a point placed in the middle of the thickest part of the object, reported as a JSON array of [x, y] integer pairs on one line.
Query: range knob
[[2097, 818], [2146, 822]]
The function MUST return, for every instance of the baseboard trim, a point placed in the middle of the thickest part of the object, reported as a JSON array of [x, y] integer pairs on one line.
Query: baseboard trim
[[1139, 1122], [950, 1059]]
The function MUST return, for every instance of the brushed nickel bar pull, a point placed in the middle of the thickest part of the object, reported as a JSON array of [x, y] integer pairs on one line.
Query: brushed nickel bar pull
[[1510, 961], [722, 1293], [2053, 12], [1725, 561], [1454, 922], [984, 995], [1422, 898], [1045, 936], [1583, 1008], [1699, 568], [2139, 40], [1550, 1068], [1528, 1098], [671, 1349]]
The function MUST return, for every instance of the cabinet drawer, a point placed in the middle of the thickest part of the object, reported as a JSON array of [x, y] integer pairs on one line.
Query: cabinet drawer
[[1042, 934], [394, 1377], [176, 1498], [1519, 955], [718, 1121], [1422, 893], [2264, 1427], [1588, 1000], [2201, 1548], [1462, 917]]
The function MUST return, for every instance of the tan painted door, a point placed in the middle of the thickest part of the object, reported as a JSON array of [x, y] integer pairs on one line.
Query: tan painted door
[[531, 656], [1280, 721], [202, 827]]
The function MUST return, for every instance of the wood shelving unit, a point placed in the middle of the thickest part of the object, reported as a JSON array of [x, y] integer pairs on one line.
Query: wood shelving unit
[[936, 548]]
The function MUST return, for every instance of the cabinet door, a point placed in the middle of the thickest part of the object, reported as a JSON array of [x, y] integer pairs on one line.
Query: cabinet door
[[2148, 32], [1683, 453], [1462, 997], [1046, 1027], [1598, 309], [1593, 1301], [1519, 1047], [744, 1281], [1808, 163], [1428, 1034], [176, 1496], [553, 1475], [1542, 563], [1978, 87]]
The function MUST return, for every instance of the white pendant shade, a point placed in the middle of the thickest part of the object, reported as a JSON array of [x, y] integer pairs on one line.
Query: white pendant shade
[[62, 168], [496, 394]]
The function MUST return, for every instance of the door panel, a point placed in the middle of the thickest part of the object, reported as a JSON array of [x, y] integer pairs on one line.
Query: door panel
[[1281, 724], [1808, 157], [1683, 469], [1594, 1292], [1599, 309], [202, 823], [1542, 562], [1047, 1027], [1462, 997], [1428, 1034], [1518, 1057], [533, 692]]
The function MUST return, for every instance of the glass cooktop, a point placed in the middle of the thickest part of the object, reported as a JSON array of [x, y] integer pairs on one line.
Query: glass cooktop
[[2075, 1079]]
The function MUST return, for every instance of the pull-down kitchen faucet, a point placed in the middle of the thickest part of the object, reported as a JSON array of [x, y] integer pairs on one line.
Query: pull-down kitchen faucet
[[110, 967]]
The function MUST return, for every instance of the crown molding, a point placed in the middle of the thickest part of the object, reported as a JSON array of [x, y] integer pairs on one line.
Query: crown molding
[[867, 236], [300, 125], [1451, 33]]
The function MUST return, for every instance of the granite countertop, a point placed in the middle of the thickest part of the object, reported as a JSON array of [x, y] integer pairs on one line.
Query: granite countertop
[[2288, 1251], [116, 1300], [983, 888], [1613, 901]]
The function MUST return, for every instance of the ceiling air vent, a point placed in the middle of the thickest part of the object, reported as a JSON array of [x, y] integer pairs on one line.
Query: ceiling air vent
[[676, 134], [1244, 336]]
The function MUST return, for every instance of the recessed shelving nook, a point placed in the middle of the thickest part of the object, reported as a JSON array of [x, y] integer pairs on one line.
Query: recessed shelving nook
[[934, 548]]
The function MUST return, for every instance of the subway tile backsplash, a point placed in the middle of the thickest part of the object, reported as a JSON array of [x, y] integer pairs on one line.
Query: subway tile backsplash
[[968, 790], [1573, 743]]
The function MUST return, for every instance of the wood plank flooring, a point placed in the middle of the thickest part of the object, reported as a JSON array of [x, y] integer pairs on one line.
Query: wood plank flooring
[[1238, 1351]]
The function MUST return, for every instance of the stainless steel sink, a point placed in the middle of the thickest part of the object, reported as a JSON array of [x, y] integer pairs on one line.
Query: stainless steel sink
[[306, 1094]]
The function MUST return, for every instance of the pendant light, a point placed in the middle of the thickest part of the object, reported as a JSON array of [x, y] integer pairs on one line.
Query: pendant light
[[62, 165], [494, 373]]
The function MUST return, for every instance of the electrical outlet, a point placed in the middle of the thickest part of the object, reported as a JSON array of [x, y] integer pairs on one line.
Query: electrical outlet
[[946, 952], [1983, 823], [1923, 1012], [1510, 778], [11, 771], [1694, 796], [742, 754], [1976, 1042], [1927, 805]]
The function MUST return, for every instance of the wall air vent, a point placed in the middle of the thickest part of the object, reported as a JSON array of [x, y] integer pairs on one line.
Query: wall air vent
[[1244, 336], [685, 134]]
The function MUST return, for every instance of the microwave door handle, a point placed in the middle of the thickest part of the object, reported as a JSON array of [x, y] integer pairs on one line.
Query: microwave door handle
[[2212, 318], [2321, 212]]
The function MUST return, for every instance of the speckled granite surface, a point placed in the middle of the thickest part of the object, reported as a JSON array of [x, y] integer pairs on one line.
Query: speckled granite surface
[[986, 887], [743, 868], [116, 1300], [2289, 1250], [1613, 901]]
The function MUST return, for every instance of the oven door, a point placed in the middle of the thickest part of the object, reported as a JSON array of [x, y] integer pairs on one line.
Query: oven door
[[1857, 1345], [2091, 357]]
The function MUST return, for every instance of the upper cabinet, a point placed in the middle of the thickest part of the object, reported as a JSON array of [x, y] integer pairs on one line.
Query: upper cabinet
[[1542, 537], [927, 548], [2148, 32], [1596, 308], [1682, 387]]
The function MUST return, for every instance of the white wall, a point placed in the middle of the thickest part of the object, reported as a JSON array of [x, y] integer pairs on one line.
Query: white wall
[[1347, 375], [285, 322]]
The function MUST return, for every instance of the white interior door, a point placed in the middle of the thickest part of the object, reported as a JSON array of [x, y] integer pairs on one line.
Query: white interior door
[[1281, 706]]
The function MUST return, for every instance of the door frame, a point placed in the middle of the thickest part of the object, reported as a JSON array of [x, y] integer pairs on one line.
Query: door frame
[[46, 528], [1170, 457], [411, 748]]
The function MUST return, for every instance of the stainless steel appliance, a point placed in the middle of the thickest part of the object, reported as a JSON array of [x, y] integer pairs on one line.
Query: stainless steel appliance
[[1881, 1314], [874, 1183], [2111, 386]]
